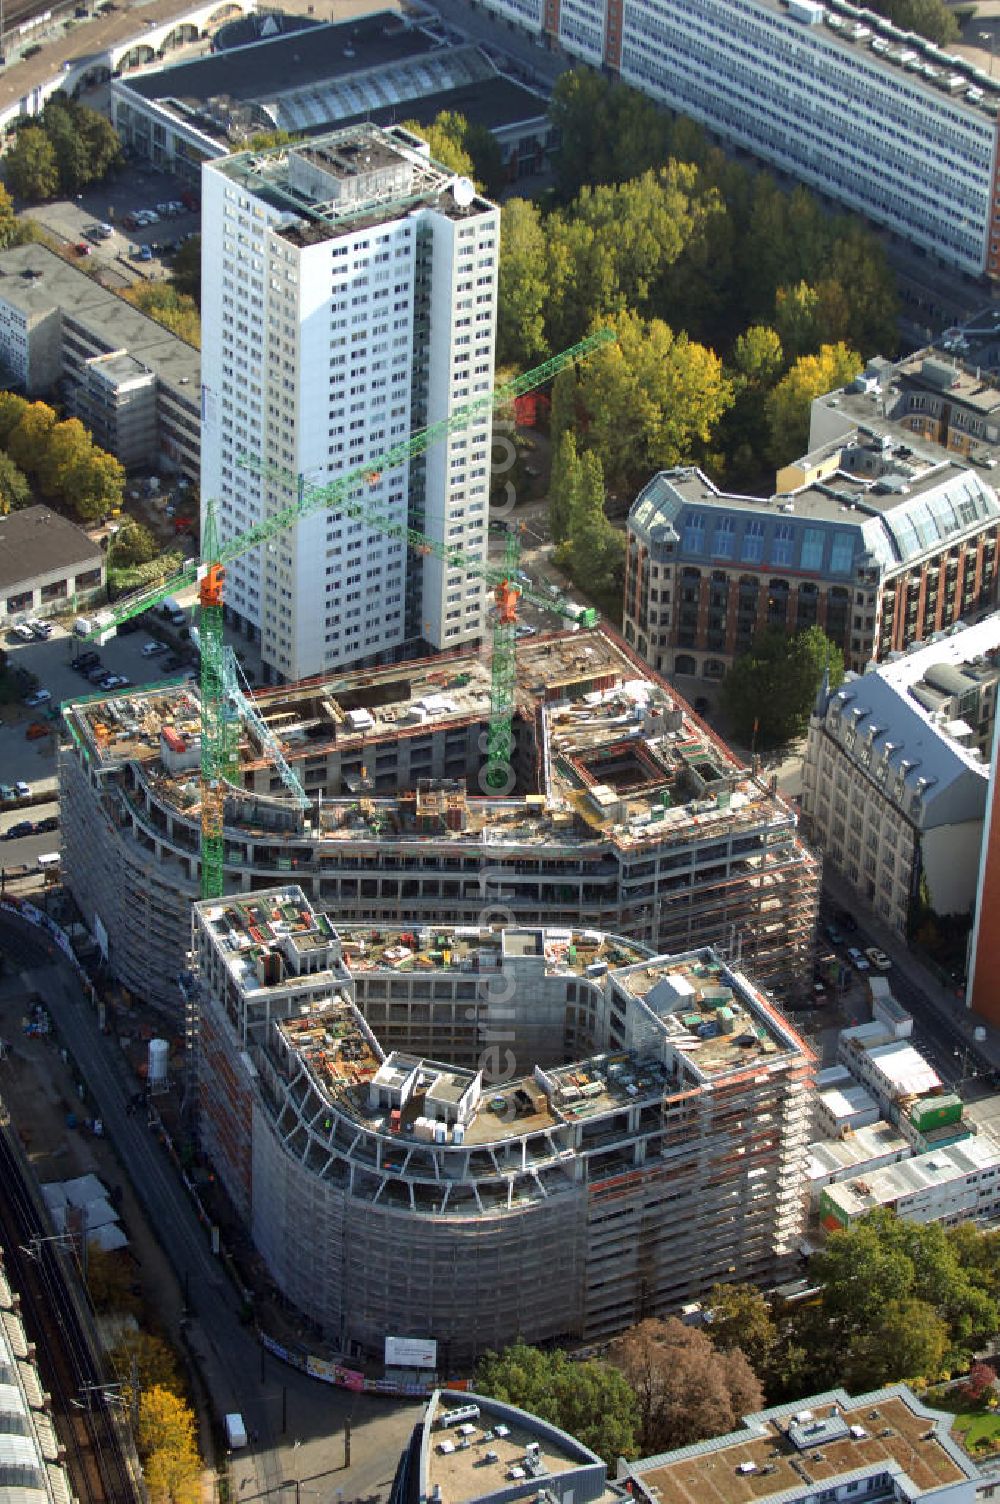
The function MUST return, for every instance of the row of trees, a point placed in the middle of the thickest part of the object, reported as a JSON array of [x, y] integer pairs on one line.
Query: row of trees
[[928, 18], [897, 1301], [152, 1386], [62, 150], [685, 252], [61, 458], [175, 310]]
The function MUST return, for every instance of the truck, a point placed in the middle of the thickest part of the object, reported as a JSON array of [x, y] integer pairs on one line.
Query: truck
[[236, 1431]]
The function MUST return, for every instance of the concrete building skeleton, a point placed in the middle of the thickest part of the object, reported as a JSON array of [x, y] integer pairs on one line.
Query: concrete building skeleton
[[638, 1134], [628, 815]]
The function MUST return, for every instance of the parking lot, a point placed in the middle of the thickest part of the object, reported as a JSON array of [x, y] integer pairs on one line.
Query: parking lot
[[135, 188], [34, 760]]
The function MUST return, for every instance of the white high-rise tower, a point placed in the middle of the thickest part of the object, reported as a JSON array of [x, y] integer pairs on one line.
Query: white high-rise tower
[[350, 290]]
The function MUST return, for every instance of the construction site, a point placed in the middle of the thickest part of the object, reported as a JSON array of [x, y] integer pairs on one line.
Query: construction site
[[626, 814], [483, 1133]]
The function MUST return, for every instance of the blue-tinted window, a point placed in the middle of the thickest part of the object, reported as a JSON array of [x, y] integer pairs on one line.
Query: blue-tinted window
[[812, 548], [723, 544], [694, 533], [842, 553], [753, 542], [781, 545]]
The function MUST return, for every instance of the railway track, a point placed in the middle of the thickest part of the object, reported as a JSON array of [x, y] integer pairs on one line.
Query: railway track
[[96, 1459]]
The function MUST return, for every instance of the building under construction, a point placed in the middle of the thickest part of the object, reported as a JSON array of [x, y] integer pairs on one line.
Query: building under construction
[[626, 814], [475, 1134]]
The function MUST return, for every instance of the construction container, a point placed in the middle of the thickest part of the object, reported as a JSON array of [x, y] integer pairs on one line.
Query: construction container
[[727, 1020], [936, 1112]]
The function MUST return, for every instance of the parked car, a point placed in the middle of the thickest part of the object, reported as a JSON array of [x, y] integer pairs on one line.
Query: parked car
[[190, 200], [22, 630], [42, 630], [51, 822], [144, 254], [83, 662], [82, 248], [150, 649], [878, 958], [39, 697], [858, 961], [116, 681], [21, 789], [22, 828], [36, 730], [7, 792], [833, 934], [97, 673]]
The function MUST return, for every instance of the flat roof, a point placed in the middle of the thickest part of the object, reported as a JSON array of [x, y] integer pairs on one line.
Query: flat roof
[[761, 1461], [924, 1172], [863, 34], [842, 1155], [38, 541], [35, 280], [626, 760], [498, 1438], [322, 53]]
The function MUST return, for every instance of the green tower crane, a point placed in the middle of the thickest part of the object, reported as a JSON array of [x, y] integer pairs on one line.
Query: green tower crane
[[348, 496]]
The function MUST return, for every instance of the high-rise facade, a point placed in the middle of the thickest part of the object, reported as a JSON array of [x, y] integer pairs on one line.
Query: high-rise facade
[[873, 117], [350, 299]]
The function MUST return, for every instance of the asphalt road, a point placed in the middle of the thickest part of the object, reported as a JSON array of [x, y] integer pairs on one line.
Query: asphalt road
[[308, 1448]]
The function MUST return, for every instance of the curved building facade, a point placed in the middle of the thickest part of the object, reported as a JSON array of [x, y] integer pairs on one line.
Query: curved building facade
[[474, 1134], [625, 814]]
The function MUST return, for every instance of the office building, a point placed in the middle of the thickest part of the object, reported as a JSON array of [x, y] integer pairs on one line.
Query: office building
[[381, 68], [884, 1447], [627, 815], [351, 302], [875, 118], [960, 1183], [473, 1134], [130, 381], [46, 562], [894, 780]]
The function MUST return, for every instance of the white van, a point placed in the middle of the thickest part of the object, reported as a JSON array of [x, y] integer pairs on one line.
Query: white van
[[49, 862], [82, 626]]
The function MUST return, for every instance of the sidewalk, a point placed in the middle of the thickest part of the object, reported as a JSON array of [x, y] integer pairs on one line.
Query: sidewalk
[[942, 1000]]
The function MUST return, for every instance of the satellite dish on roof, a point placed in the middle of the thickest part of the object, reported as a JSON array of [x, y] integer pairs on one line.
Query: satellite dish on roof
[[463, 192]]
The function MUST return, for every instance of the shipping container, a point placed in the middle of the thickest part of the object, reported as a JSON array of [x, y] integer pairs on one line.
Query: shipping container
[[935, 1112]]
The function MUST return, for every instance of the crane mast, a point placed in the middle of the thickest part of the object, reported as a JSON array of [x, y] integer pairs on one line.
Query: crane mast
[[348, 496]]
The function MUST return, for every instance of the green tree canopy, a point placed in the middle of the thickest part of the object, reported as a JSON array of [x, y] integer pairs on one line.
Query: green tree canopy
[[770, 690], [133, 544], [468, 149], [651, 400], [741, 1317], [593, 1401], [685, 1388], [928, 18], [27, 443], [607, 132], [523, 284], [900, 1300], [66, 446], [15, 491], [789, 404], [185, 274], [174, 310], [31, 166], [12, 409]]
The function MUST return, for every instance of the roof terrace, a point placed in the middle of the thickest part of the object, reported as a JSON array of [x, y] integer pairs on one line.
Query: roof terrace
[[787, 1451]]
